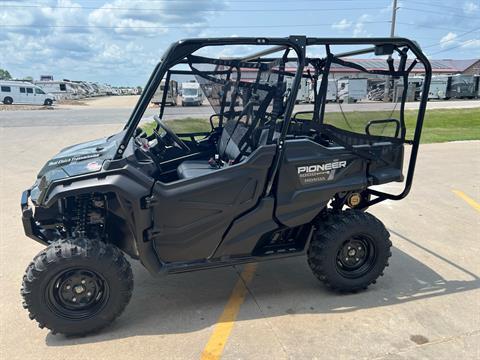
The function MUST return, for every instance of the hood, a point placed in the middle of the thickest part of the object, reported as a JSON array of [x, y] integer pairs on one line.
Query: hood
[[84, 158]]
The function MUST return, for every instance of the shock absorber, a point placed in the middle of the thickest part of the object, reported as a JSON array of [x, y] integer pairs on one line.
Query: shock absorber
[[83, 204]]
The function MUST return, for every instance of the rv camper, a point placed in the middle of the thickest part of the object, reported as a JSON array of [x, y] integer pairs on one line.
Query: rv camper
[[303, 94], [172, 93], [477, 85], [438, 87], [461, 86], [60, 89], [351, 89], [331, 91], [303, 91]]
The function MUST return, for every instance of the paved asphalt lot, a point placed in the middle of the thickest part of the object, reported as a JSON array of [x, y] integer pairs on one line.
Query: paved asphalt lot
[[426, 306], [79, 115]]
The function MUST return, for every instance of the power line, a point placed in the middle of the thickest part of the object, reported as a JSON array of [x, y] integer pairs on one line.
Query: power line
[[456, 37], [454, 47], [182, 10], [431, 26], [437, 5], [179, 26], [438, 12]]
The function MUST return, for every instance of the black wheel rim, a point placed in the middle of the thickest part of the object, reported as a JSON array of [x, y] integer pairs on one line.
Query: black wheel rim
[[77, 294], [356, 256]]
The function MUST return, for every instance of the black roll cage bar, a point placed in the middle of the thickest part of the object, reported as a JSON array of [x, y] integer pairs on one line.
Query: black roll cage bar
[[178, 51]]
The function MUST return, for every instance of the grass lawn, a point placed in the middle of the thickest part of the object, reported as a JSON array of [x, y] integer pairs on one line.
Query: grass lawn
[[182, 125], [440, 125]]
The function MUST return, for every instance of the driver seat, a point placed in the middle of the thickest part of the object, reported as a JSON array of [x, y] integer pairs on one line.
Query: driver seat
[[228, 149], [233, 136]]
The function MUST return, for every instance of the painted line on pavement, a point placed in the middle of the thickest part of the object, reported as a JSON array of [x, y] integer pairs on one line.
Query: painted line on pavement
[[214, 348], [467, 199]]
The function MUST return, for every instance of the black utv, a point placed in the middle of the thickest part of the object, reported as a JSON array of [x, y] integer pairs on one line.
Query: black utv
[[263, 182]]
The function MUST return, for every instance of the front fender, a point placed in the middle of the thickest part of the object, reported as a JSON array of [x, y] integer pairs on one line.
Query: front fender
[[130, 186]]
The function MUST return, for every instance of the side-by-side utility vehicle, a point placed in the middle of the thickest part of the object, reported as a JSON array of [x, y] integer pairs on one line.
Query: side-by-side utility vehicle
[[263, 181]]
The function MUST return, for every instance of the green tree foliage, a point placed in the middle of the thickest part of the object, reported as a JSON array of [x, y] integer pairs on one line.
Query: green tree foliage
[[5, 75]]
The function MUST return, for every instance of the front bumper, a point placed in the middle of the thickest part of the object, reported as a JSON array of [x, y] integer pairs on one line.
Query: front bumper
[[32, 230]]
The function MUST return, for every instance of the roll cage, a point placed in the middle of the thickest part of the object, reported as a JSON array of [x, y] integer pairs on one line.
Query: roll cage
[[182, 52]]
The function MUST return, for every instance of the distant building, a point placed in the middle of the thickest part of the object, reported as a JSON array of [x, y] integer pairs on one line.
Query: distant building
[[439, 67]]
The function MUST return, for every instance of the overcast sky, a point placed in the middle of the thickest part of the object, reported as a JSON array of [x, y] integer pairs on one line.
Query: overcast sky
[[118, 42]]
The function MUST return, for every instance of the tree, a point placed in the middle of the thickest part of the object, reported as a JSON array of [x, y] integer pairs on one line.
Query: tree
[[5, 75]]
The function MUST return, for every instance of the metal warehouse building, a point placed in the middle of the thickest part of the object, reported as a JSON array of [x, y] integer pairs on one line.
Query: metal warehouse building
[[439, 67]]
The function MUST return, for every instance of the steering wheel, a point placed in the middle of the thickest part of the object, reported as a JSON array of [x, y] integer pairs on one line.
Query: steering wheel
[[171, 134]]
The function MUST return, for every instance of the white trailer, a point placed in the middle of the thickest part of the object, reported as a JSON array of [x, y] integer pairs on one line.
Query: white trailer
[[60, 89], [438, 87], [303, 94], [477, 85], [20, 92], [191, 94], [352, 89], [331, 90], [172, 93], [461, 86]]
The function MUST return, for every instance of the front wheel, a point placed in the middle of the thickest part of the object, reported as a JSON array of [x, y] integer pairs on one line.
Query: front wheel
[[8, 100], [349, 250], [77, 286], [48, 102]]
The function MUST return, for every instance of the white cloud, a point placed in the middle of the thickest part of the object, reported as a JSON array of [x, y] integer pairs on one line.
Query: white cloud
[[471, 7], [471, 44], [448, 39], [342, 25], [359, 28], [93, 44]]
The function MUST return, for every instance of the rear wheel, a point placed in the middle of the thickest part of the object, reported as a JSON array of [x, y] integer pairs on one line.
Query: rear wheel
[[8, 100], [77, 286], [349, 251]]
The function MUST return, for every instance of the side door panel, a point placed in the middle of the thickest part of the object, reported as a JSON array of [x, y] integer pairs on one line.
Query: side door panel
[[30, 96], [191, 216]]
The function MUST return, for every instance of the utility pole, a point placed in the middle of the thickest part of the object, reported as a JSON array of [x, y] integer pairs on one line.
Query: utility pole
[[392, 34], [394, 18]]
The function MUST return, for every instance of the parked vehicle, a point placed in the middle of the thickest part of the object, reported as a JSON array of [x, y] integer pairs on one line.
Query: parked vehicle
[[351, 89], [438, 88], [461, 87], [303, 94], [191, 94], [262, 183], [171, 96], [331, 91], [19, 92], [416, 82], [61, 90], [477, 85]]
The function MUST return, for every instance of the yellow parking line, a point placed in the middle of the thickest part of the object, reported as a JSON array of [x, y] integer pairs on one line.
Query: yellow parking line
[[214, 348], [467, 199]]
